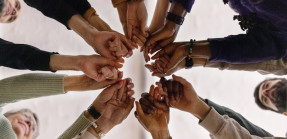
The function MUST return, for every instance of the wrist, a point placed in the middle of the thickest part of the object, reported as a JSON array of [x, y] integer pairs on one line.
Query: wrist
[[81, 26], [199, 109], [89, 116], [62, 62], [161, 134], [104, 124], [171, 26]]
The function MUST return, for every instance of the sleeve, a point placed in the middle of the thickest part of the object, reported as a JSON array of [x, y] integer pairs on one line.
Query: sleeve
[[22, 56], [56, 9], [256, 46], [276, 67], [81, 6], [187, 4], [223, 127], [31, 85], [6, 130], [116, 2], [253, 129], [78, 128]]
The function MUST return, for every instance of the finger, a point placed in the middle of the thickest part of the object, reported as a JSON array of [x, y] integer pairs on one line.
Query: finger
[[141, 36], [166, 42], [156, 37], [158, 74], [121, 91], [165, 51], [129, 29], [146, 56], [150, 67], [169, 88], [174, 61], [137, 40], [127, 42], [105, 61], [147, 105], [139, 110], [130, 104], [180, 80], [175, 89], [131, 93], [115, 87], [151, 90], [161, 106]]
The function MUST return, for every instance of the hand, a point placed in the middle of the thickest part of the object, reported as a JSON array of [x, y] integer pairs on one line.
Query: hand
[[105, 96], [136, 17], [169, 59], [98, 67], [161, 38], [139, 38], [183, 98], [117, 48], [128, 44], [120, 105], [99, 42], [84, 83], [152, 102]]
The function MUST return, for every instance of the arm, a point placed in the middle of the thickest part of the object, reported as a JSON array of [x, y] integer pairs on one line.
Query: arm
[[56, 9], [29, 86], [33, 85], [224, 127], [253, 129], [276, 67], [22, 56], [159, 15], [187, 4], [255, 46]]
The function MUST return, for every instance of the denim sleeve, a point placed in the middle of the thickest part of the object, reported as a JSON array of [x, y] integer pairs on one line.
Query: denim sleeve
[[253, 129], [187, 4], [256, 45]]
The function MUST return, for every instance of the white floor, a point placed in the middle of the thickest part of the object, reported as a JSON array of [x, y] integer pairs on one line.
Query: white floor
[[209, 18]]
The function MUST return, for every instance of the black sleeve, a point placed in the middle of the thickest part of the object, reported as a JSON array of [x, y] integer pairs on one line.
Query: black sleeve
[[22, 56], [81, 6], [56, 9], [253, 129]]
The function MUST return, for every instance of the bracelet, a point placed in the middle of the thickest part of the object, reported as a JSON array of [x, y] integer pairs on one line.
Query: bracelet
[[92, 111], [175, 18], [188, 60], [98, 130], [190, 47]]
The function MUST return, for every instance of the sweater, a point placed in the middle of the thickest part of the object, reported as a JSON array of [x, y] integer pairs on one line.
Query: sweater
[[223, 127], [60, 10], [29, 86], [23, 56]]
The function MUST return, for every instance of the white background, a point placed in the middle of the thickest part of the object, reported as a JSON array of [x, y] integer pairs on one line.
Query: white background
[[209, 18]]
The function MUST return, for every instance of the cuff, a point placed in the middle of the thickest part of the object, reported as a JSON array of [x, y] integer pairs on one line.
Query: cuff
[[213, 122], [81, 124], [116, 2]]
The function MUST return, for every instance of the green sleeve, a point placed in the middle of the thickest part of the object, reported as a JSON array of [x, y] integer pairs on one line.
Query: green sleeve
[[28, 86]]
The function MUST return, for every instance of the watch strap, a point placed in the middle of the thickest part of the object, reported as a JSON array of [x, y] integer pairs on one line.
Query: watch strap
[[92, 111], [175, 18]]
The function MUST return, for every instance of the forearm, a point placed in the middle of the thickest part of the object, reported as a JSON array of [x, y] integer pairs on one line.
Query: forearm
[[67, 62], [80, 26], [30, 86], [201, 49], [159, 15], [22, 56], [255, 46], [199, 109], [79, 126], [163, 134]]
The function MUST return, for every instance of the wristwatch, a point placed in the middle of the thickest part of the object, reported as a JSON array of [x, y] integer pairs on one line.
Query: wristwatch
[[175, 18], [92, 111]]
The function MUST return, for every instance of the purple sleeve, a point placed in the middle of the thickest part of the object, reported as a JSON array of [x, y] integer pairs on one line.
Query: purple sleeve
[[255, 46], [187, 4]]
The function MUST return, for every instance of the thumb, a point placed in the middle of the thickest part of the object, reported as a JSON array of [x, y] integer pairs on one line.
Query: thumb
[[157, 37], [174, 61], [180, 80], [139, 109], [115, 87], [129, 30]]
